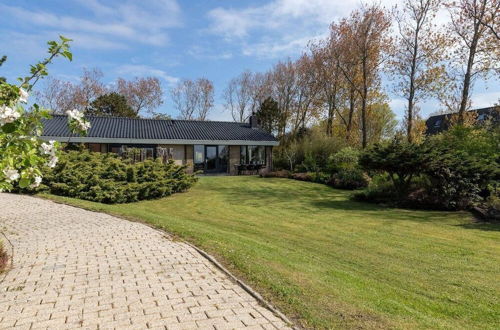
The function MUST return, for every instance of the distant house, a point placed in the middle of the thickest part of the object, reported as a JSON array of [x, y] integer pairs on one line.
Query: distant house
[[439, 123], [208, 146]]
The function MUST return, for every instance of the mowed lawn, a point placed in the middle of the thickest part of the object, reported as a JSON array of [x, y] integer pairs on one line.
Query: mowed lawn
[[329, 262]]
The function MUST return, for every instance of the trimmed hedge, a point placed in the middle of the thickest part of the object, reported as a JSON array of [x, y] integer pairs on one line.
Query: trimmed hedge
[[107, 178]]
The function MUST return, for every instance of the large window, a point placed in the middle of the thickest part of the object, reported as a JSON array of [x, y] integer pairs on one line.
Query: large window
[[255, 155], [199, 157]]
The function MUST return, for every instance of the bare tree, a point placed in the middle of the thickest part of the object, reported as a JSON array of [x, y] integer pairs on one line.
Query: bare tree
[[56, 95], [416, 59], [142, 94], [307, 96], [240, 97], [366, 37], [193, 99], [89, 88], [283, 86], [476, 45], [206, 97], [328, 74]]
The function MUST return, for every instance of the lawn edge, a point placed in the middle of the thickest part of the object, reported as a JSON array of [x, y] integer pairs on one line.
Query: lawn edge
[[204, 254]]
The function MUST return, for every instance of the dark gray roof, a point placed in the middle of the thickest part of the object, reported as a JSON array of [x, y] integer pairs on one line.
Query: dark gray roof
[[439, 123], [157, 129]]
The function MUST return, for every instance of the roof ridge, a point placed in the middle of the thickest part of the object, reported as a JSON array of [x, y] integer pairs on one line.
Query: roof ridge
[[157, 119]]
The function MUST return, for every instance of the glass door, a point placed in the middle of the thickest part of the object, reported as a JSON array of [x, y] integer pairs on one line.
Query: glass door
[[211, 158]]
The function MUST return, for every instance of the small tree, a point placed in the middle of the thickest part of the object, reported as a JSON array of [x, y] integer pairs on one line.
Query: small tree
[[112, 104], [23, 154], [268, 115], [403, 161]]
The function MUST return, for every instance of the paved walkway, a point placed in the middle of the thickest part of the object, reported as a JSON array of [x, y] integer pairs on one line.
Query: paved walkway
[[75, 268]]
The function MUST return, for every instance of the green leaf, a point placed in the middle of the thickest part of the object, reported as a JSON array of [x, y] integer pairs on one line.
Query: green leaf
[[9, 128], [24, 182], [68, 55]]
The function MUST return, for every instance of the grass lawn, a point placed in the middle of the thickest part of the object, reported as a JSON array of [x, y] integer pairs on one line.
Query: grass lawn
[[329, 262]]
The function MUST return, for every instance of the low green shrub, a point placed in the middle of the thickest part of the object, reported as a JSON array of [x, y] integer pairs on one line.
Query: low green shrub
[[445, 172], [345, 159], [276, 174], [349, 179], [107, 178]]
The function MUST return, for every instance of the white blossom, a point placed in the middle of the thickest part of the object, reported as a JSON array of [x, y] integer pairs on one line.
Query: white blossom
[[8, 115], [11, 175], [77, 116], [48, 148], [38, 180], [23, 96], [53, 162]]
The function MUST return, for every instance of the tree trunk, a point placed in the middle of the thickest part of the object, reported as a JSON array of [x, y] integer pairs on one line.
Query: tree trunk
[[363, 105], [468, 74], [352, 101]]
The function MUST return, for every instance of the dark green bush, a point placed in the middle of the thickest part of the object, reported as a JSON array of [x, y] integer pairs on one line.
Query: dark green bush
[[106, 178], [349, 179], [454, 170]]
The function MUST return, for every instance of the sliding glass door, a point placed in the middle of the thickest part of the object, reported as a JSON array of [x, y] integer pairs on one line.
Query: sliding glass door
[[211, 158]]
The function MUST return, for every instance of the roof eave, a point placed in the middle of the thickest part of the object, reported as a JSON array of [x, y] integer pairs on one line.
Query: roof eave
[[87, 139]]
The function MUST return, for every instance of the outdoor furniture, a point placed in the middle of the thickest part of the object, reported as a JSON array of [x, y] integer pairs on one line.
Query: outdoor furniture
[[248, 168]]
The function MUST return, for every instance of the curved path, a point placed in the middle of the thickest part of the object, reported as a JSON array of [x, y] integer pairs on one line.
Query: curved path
[[75, 268]]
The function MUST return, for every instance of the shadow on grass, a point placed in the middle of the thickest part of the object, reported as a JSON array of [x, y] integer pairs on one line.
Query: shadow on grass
[[298, 195], [486, 226]]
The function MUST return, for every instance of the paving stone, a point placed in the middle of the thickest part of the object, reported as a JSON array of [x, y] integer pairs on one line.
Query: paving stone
[[80, 269]]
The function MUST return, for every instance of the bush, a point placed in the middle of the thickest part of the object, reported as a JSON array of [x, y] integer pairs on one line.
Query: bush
[[446, 172], [378, 191], [349, 179], [346, 159], [106, 178], [276, 174]]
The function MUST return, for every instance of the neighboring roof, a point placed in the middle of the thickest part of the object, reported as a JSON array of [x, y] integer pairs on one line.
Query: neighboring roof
[[156, 131], [439, 123]]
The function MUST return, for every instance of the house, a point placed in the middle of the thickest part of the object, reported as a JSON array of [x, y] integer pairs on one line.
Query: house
[[438, 123], [208, 146]]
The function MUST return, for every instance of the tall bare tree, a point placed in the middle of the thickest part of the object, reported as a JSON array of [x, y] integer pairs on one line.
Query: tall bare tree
[[329, 76], [142, 94], [365, 34], [57, 95], [193, 98], [206, 98], [239, 96], [283, 85], [477, 48], [416, 59], [307, 97]]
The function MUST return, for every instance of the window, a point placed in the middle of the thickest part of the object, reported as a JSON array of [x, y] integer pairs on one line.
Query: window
[[243, 155], [481, 117], [438, 123], [199, 157], [94, 147], [255, 155], [223, 158]]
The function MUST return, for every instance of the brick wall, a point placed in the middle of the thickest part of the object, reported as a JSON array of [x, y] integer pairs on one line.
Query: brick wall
[[234, 159]]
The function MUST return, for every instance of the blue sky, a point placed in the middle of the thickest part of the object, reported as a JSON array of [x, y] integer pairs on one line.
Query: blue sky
[[170, 39]]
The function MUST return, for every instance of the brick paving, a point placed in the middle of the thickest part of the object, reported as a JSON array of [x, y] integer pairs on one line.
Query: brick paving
[[74, 268]]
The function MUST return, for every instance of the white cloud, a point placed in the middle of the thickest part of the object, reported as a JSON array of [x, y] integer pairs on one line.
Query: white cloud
[[280, 26], [200, 52], [485, 99], [145, 70], [109, 24]]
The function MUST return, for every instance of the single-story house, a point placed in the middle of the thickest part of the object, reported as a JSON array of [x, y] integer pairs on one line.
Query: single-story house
[[208, 146], [438, 123]]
